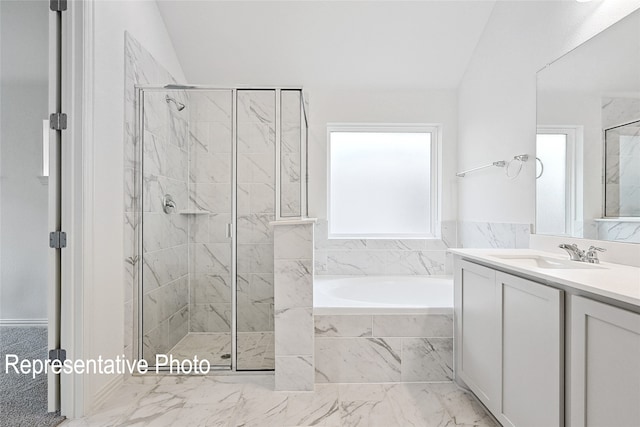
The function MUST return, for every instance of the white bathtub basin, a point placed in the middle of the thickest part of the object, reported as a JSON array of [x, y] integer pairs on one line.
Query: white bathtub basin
[[383, 294]]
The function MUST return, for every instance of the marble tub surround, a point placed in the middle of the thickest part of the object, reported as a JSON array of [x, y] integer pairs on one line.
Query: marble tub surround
[[249, 401], [383, 348], [616, 281], [293, 291], [364, 257]]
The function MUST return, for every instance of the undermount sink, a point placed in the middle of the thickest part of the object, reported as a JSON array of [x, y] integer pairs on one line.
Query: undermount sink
[[539, 261]]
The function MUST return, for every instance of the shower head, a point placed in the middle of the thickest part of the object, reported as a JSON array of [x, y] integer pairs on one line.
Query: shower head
[[179, 105]]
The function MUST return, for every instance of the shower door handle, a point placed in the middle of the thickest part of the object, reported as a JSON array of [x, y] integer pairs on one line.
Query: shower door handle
[[229, 231]]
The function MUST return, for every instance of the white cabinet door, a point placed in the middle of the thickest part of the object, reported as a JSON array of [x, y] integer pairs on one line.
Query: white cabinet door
[[605, 365], [477, 320], [532, 356]]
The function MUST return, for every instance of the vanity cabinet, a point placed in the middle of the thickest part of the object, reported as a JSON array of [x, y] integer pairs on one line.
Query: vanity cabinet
[[604, 365], [477, 331], [509, 344]]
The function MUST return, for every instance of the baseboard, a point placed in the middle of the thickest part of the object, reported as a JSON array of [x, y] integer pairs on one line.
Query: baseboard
[[23, 322], [105, 392]]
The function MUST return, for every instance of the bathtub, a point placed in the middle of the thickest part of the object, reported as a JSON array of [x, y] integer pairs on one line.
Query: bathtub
[[383, 295], [383, 329]]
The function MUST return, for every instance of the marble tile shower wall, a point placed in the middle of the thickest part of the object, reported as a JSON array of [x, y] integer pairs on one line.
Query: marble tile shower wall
[[618, 111], [619, 231], [623, 172], [210, 147], [294, 343], [622, 161], [165, 274], [256, 208]]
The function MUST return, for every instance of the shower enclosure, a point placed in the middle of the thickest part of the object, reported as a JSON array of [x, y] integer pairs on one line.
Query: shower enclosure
[[217, 166]]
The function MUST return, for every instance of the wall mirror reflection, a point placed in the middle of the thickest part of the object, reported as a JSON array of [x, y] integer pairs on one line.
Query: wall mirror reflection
[[622, 170], [588, 138]]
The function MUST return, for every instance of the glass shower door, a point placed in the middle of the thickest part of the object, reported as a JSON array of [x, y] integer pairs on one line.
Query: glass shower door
[[256, 136], [186, 277]]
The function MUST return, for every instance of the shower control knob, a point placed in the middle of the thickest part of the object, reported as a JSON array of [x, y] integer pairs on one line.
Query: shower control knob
[[168, 204]]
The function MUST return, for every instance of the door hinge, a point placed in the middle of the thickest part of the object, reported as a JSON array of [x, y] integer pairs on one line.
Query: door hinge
[[58, 5], [57, 239], [58, 121], [57, 354]]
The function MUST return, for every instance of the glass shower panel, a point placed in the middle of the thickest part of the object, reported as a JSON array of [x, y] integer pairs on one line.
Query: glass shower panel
[[291, 154], [210, 220], [186, 245], [622, 170], [256, 120]]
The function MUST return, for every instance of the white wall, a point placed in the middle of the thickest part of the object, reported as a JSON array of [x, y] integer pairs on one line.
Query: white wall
[[104, 291], [23, 226], [497, 97]]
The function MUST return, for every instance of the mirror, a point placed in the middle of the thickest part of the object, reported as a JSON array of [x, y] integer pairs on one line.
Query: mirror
[[588, 138]]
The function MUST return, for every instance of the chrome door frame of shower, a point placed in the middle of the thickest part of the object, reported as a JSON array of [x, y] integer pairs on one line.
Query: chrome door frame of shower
[[138, 186]]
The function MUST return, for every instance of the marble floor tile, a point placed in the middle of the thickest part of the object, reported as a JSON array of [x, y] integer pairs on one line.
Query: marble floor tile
[[259, 408], [249, 400], [427, 359], [318, 408]]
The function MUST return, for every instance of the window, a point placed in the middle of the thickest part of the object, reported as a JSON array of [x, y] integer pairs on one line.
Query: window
[[554, 180], [383, 181]]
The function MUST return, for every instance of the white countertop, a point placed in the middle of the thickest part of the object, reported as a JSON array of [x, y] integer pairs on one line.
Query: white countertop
[[616, 281], [294, 221]]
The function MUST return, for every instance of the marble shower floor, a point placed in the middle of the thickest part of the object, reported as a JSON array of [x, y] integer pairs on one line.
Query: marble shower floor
[[249, 400], [209, 346], [255, 349]]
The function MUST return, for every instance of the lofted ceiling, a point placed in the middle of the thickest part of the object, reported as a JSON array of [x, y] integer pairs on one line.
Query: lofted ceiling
[[341, 44]]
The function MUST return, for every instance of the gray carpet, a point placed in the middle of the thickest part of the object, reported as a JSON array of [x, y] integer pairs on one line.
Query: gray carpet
[[23, 400]]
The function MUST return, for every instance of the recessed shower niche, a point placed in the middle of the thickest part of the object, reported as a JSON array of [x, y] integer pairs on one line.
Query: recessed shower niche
[[217, 166]]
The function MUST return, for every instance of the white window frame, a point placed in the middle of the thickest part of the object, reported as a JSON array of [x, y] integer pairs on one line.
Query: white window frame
[[572, 183], [436, 166]]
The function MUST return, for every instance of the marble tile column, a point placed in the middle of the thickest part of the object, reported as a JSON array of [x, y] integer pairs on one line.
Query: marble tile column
[[293, 299]]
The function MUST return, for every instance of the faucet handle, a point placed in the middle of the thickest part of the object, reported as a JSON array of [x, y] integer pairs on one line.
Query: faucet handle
[[592, 254]]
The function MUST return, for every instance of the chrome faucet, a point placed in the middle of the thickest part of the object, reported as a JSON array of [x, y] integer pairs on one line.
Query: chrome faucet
[[592, 254], [577, 254]]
